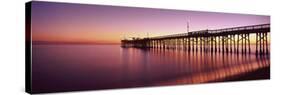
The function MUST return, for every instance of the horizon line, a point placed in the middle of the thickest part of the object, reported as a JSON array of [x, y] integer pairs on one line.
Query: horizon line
[[62, 42]]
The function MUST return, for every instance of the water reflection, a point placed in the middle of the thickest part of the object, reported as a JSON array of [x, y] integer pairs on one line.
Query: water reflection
[[171, 66], [89, 67]]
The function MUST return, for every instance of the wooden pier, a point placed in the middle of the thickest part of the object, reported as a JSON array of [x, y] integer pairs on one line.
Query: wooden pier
[[227, 40]]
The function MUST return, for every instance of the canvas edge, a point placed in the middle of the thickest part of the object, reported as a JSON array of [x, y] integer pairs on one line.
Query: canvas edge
[[28, 82]]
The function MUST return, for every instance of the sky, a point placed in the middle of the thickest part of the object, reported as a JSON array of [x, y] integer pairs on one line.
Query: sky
[[83, 23]]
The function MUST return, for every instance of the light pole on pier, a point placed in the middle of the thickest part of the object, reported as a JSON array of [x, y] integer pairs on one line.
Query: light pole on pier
[[187, 27]]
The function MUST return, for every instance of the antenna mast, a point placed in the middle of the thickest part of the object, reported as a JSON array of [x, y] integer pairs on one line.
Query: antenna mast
[[187, 26]]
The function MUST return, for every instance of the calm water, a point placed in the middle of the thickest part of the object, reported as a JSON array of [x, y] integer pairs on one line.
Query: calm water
[[85, 67]]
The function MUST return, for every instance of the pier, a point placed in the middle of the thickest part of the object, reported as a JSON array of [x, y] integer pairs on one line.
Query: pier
[[226, 40]]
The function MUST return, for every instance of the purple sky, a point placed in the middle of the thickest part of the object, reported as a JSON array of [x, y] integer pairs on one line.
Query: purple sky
[[108, 24]]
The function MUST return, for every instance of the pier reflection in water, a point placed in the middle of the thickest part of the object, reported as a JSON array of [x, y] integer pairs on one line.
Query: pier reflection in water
[[89, 67], [175, 66]]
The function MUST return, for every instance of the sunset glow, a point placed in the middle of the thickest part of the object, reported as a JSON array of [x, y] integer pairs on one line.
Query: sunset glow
[[60, 22]]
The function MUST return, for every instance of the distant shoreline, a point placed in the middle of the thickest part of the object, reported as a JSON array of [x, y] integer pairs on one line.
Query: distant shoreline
[[75, 44], [71, 43]]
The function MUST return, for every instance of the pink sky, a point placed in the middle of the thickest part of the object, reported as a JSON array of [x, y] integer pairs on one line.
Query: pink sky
[[64, 22]]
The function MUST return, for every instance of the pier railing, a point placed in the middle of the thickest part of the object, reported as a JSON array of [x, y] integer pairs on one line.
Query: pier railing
[[232, 39]]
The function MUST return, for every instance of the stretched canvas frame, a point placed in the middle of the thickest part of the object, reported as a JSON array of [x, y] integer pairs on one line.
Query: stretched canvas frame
[[73, 47]]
